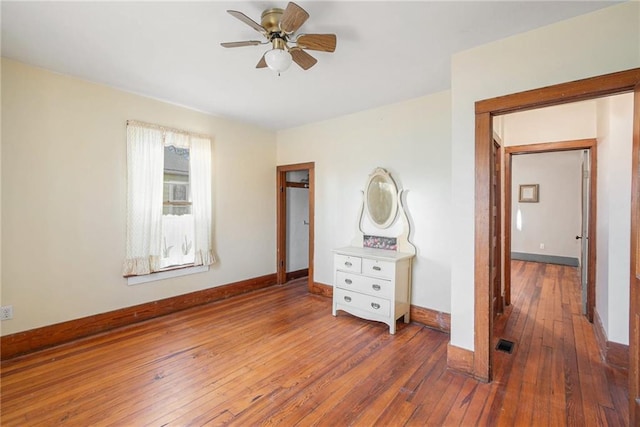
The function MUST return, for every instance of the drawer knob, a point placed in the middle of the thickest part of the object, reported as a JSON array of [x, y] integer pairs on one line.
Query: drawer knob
[[375, 305], [347, 299], [347, 264], [348, 281], [376, 287], [376, 268]]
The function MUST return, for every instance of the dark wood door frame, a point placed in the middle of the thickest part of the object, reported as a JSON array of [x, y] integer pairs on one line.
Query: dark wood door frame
[[582, 144], [581, 90], [497, 301], [634, 295], [281, 218]]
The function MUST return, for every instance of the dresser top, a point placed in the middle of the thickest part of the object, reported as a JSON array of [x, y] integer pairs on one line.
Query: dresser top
[[381, 254]]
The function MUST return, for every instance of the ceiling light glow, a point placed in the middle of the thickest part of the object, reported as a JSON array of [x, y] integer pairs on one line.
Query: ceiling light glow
[[278, 60]]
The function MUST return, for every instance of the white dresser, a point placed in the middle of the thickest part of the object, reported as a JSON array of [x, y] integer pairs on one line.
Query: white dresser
[[373, 284]]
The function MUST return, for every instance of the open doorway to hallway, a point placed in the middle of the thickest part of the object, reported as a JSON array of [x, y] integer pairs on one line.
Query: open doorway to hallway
[[295, 187], [549, 196], [602, 127], [590, 88], [297, 224], [559, 227]]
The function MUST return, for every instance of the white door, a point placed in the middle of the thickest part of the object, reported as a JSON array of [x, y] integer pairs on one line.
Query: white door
[[584, 237]]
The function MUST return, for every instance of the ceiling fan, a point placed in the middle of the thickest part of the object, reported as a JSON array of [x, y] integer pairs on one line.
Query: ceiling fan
[[278, 26]]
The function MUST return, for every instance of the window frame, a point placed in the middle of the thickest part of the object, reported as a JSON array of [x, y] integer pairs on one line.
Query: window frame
[[203, 257]]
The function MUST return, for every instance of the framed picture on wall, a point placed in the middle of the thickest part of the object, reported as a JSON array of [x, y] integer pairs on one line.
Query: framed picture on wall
[[529, 193]]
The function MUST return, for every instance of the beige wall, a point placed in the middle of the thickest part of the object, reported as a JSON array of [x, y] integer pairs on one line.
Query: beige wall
[[552, 124], [589, 45], [64, 197], [411, 140], [615, 136], [556, 219]]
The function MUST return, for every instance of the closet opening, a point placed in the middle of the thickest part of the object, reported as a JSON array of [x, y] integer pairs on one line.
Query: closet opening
[[295, 211]]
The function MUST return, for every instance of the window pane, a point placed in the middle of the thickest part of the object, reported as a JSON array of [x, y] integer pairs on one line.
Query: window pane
[[177, 195], [177, 220]]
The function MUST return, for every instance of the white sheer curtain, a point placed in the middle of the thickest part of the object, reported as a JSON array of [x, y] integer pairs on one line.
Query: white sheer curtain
[[200, 174], [146, 225], [145, 165], [177, 239], [178, 140]]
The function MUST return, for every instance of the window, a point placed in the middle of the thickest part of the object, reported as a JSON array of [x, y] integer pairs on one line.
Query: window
[[177, 220], [169, 199]]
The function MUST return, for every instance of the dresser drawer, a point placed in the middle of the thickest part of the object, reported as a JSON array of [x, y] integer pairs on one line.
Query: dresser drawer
[[377, 268], [363, 302], [348, 263], [367, 285]]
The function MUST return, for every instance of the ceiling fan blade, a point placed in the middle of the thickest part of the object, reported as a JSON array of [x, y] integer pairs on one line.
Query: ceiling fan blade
[[241, 44], [262, 63], [250, 22], [321, 42], [302, 58], [293, 18]]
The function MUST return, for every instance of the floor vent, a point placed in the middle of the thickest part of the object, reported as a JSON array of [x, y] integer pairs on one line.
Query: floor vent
[[504, 345]]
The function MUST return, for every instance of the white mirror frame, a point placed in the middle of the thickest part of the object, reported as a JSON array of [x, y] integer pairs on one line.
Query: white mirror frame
[[387, 194], [399, 213]]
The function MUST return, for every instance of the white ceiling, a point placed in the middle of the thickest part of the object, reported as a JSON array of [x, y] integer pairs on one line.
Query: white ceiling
[[386, 52]]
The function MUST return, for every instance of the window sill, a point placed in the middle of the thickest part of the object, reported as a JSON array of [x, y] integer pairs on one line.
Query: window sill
[[168, 274]]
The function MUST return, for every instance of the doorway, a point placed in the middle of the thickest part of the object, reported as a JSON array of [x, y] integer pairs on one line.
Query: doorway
[[590, 88], [587, 262], [295, 186]]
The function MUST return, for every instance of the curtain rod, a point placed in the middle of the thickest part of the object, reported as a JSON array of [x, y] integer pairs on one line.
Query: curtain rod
[[167, 129]]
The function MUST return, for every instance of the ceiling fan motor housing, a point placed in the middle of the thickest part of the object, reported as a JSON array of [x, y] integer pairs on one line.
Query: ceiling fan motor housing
[[271, 20]]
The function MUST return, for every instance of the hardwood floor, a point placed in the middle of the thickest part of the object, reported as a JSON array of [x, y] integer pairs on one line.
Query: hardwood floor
[[555, 376], [278, 357]]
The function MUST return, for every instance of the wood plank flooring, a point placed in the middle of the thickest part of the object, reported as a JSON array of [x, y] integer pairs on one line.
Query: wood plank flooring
[[278, 357]]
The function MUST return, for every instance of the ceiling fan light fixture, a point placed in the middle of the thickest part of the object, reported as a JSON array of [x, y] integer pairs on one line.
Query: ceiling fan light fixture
[[278, 60], [279, 26]]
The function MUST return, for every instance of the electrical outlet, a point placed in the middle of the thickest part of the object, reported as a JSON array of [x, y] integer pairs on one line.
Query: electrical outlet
[[6, 312], [541, 245]]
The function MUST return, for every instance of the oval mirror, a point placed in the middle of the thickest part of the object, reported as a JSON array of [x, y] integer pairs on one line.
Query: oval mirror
[[381, 198]]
